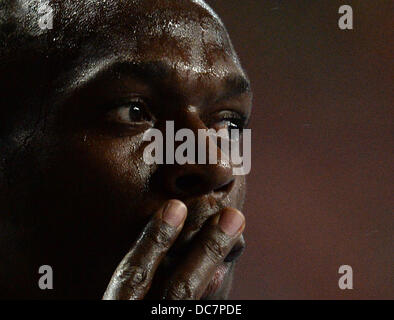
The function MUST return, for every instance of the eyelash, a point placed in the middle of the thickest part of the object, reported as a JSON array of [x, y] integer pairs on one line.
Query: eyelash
[[123, 111], [233, 119], [236, 119]]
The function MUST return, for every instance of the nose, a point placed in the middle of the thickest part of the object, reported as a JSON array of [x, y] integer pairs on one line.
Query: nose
[[189, 180]]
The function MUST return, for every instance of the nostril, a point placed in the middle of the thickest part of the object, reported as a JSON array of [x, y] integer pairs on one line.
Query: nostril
[[225, 187]]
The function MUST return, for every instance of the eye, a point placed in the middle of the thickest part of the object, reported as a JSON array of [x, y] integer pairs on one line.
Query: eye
[[134, 111], [230, 121], [234, 123]]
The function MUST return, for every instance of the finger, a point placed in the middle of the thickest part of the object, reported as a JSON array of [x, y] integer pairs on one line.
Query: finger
[[134, 274], [208, 251]]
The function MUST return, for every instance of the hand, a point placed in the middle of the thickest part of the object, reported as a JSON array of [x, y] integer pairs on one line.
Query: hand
[[133, 277]]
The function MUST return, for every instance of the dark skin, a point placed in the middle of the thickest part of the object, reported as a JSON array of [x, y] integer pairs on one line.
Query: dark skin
[[75, 191]]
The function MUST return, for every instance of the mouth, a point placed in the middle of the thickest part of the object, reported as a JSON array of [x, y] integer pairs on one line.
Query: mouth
[[221, 276], [222, 271], [217, 281]]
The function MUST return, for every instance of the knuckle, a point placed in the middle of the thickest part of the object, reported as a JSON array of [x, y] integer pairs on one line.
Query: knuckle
[[181, 290], [160, 237], [131, 276], [214, 249]]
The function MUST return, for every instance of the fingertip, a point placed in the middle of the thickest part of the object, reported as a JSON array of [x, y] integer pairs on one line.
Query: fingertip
[[174, 212], [231, 221]]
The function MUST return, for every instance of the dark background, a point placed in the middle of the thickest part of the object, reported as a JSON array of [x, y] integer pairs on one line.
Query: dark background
[[320, 190]]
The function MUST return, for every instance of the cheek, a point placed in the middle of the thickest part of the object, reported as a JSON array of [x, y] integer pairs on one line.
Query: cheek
[[118, 162], [109, 174]]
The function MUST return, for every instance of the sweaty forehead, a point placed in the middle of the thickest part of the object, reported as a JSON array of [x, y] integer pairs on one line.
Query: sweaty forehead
[[87, 35], [144, 29]]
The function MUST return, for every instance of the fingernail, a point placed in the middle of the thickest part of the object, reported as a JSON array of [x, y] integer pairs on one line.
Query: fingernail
[[231, 221], [174, 213]]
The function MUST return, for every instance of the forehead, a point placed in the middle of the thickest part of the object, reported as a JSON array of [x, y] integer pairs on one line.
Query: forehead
[[90, 35], [185, 32]]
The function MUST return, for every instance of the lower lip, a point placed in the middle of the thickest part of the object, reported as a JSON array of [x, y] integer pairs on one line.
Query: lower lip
[[217, 280]]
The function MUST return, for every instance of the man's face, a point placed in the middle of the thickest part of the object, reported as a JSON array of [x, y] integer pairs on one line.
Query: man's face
[[113, 70]]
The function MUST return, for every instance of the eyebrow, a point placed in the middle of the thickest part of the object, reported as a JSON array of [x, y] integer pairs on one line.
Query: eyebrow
[[235, 85], [152, 72]]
